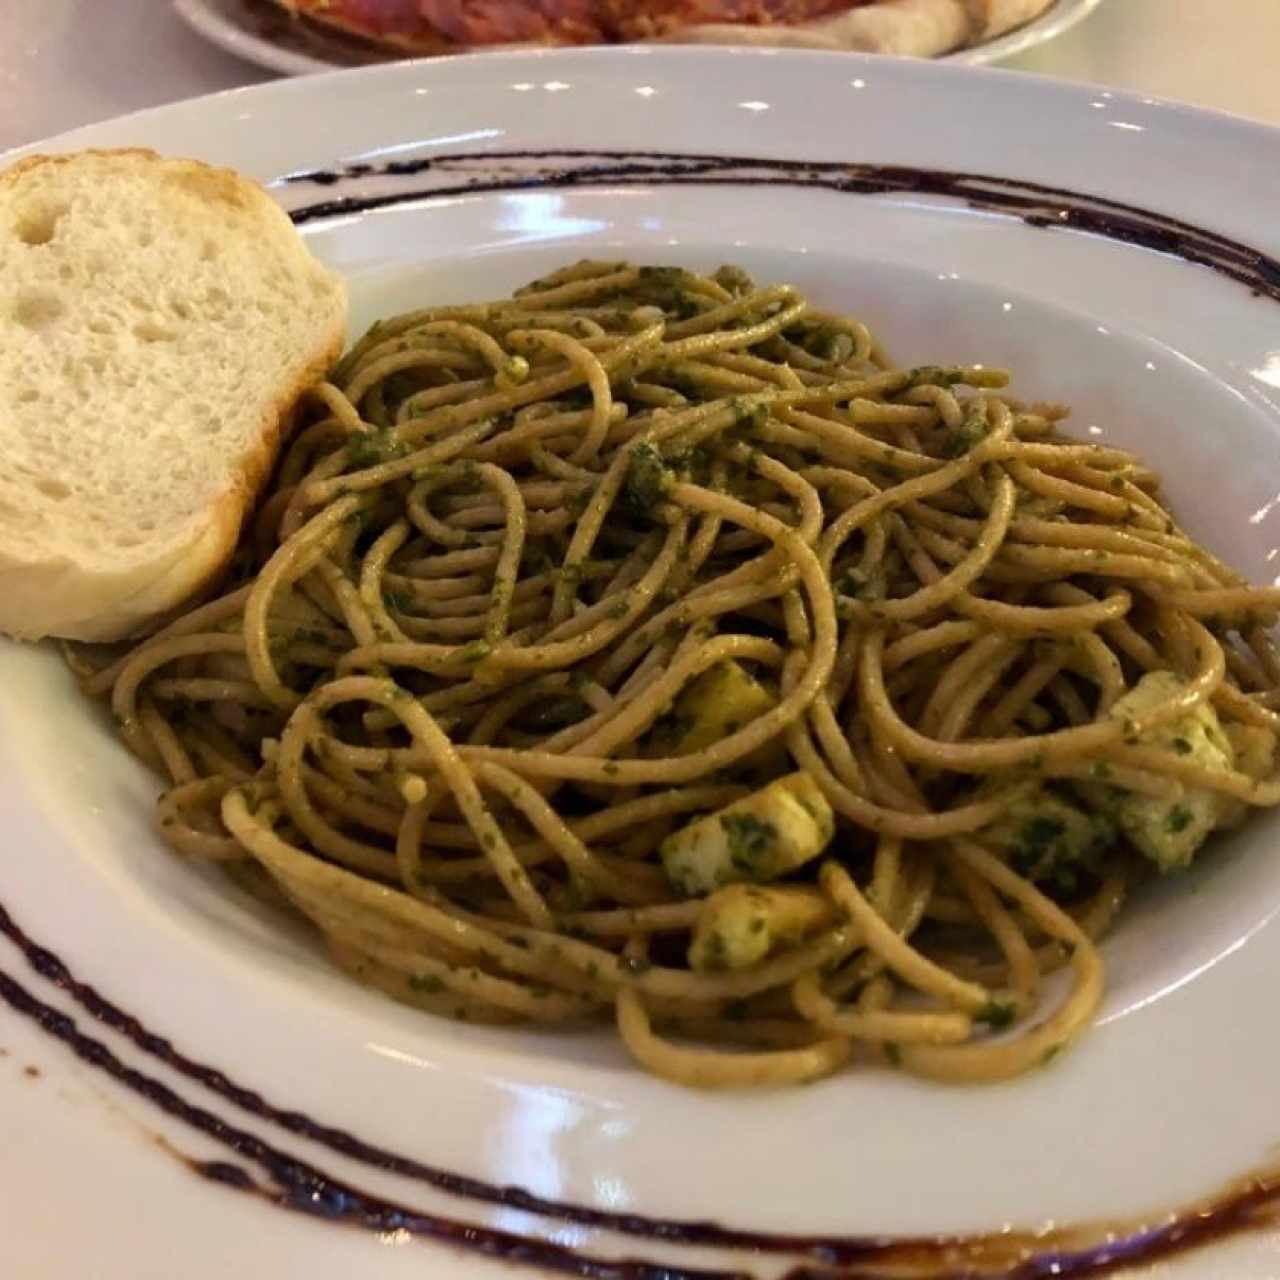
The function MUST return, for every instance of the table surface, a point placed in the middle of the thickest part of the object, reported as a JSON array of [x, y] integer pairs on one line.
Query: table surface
[[70, 62]]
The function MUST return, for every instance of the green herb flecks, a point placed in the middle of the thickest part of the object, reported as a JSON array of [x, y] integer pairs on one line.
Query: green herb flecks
[[969, 433], [997, 1014], [476, 651], [371, 448], [648, 479], [1036, 838], [749, 840], [930, 375]]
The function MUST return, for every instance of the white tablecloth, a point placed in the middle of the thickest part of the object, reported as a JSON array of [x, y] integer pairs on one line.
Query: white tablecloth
[[69, 62]]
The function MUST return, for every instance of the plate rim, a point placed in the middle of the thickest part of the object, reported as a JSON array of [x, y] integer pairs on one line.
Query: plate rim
[[286, 87], [211, 20]]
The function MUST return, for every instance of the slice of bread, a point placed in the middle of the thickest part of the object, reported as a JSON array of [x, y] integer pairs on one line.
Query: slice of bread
[[158, 321]]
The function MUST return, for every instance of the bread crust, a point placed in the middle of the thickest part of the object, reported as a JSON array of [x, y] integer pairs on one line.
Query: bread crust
[[919, 28], [53, 595]]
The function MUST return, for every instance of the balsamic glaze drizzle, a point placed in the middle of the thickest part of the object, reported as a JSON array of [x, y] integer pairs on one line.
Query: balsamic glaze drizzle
[[301, 1186], [294, 1184], [1038, 205]]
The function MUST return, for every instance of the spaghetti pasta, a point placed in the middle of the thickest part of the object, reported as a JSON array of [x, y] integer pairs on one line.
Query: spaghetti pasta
[[647, 647]]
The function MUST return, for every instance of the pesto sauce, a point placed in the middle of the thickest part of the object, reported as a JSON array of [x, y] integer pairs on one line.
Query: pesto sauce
[[749, 840]]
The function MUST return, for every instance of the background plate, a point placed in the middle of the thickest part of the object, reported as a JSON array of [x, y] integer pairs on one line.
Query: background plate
[[1174, 1094], [251, 30]]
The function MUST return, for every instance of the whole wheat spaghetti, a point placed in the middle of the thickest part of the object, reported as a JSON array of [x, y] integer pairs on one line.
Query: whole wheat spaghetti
[[648, 648]]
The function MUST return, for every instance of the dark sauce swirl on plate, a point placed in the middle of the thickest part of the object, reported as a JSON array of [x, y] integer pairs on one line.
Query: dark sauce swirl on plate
[[263, 1168], [1036, 204]]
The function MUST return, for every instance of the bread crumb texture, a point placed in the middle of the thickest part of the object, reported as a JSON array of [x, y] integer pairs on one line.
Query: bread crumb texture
[[157, 319]]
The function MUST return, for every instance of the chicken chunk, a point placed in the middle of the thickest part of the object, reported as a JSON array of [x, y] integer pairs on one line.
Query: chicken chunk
[[741, 924], [753, 840], [1168, 829], [718, 703]]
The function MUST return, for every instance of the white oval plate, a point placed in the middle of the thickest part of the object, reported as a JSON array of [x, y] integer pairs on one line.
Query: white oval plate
[[233, 27], [1175, 1092]]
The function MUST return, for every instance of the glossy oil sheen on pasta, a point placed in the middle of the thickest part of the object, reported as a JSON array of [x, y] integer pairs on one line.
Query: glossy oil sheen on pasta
[[646, 647]]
